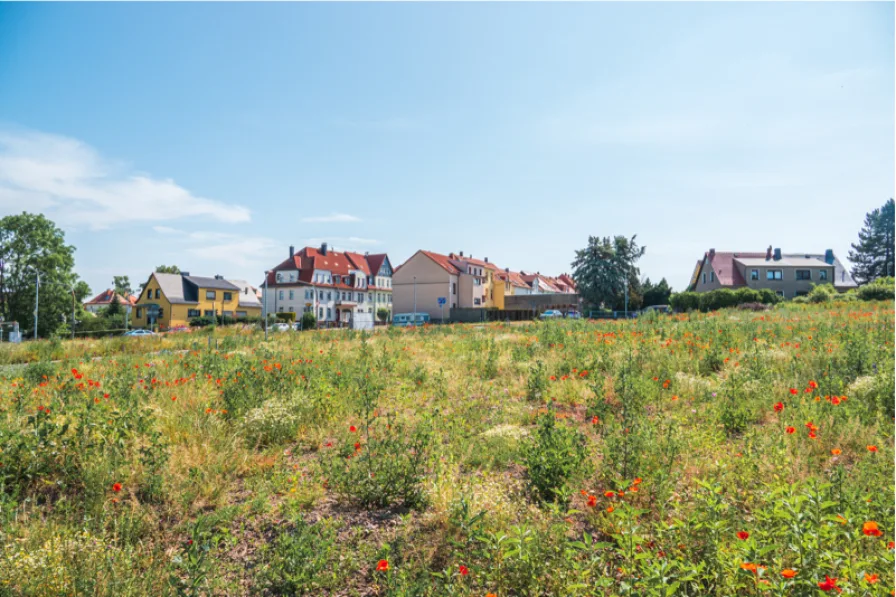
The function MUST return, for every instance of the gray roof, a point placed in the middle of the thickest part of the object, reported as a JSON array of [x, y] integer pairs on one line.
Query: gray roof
[[248, 298], [215, 283], [174, 289], [842, 277]]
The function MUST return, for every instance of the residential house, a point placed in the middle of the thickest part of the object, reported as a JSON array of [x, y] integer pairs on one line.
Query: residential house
[[106, 298], [333, 285], [172, 300], [787, 274]]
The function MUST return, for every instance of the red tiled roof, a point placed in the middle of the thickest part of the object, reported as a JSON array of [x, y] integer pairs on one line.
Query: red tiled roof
[[442, 260], [722, 263], [376, 262], [107, 296]]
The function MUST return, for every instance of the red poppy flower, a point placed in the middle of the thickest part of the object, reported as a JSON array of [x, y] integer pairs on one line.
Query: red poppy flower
[[813, 385], [609, 494], [835, 401], [382, 565], [891, 545], [352, 428], [812, 435], [743, 535], [779, 407], [872, 448], [788, 573], [790, 429], [871, 530], [794, 391], [836, 451], [553, 378], [595, 420], [116, 487], [871, 578], [829, 584], [357, 446], [463, 570], [592, 500]]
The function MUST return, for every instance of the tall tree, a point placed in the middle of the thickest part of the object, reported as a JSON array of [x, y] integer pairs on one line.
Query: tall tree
[[167, 269], [32, 245], [122, 285], [604, 268], [656, 294], [873, 255]]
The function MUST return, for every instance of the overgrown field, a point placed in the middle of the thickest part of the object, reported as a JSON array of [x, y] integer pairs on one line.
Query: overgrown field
[[735, 453]]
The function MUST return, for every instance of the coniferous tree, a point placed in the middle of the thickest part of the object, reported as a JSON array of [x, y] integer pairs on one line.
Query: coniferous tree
[[873, 256]]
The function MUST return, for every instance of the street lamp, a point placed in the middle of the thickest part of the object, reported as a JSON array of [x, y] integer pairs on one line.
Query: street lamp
[[264, 305], [37, 303]]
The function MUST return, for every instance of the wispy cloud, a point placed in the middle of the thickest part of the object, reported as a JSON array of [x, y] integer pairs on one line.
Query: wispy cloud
[[333, 217], [344, 243], [71, 182], [237, 249]]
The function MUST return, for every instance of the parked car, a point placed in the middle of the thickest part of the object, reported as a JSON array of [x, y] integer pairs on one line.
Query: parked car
[[406, 319], [573, 314], [551, 314], [281, 327], [139, 333]]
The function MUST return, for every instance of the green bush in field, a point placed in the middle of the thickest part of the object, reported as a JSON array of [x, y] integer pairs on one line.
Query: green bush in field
[[309, 321], [554, 456], [879, 290]]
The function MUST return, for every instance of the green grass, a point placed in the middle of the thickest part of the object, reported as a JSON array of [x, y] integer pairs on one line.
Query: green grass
[[549, 458]]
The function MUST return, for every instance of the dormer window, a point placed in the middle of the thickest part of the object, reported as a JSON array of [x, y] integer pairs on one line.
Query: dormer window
[[336, 280]]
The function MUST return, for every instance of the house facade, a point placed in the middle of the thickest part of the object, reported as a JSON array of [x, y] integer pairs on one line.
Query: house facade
[[172, 300], [106, 298], [335, 286], [787, 274]]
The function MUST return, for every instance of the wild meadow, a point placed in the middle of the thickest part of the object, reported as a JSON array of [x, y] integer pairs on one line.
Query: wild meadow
[[730, 453]]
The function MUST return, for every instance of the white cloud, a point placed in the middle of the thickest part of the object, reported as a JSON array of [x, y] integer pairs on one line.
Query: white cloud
[[334, 217], [235, 249], [73, 184]]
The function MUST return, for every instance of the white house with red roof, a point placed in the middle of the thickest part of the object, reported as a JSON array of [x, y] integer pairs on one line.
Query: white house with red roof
[[333, 285], [106, 298]]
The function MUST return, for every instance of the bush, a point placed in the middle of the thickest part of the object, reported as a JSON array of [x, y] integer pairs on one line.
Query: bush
[[286, 316], [309, 321], [685, 301], [554, 457], [753, 307], [878, 290], [721, 298], [201, 322], [382, 314], [822, 293]]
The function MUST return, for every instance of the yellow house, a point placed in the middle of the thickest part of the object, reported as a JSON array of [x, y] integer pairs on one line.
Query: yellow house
[[172, 300]]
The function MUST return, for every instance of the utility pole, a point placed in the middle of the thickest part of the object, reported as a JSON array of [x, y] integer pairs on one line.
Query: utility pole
[[415, 301], [264, 304]]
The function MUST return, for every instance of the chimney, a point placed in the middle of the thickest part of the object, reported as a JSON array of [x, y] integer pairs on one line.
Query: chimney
[[506, 270], [323, 249], [768, 253], [829, 256], [461, 253], [219, 277], [486, 259], [292, 251], [712, 253], [777, 254]]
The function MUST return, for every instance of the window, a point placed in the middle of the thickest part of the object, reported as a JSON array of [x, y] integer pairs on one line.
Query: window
[[754, 274], [292, 295], [158, 293], [209, 312], [321, 316], [193, 312], [704, 277], [454, 288], [280, 295], [780, 293], [227, 313], [774, 274], [712, 276], [822, 274], [210, 295], [139, 312], [336, 280], [291, 310], [476, 301], [329, 296], [477, 282], [149, 293], [803, 274], [329, 313], [228, 296], [360, 298], [241, 314]]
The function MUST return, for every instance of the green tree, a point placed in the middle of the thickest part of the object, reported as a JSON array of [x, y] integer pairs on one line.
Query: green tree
[[30, 244], [382, 314], [873, 255], [656, 294], [604, 268], [122, 286], [167, 269]]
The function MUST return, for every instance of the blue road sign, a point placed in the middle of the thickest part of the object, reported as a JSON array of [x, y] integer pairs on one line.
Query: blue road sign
[[442, 300]]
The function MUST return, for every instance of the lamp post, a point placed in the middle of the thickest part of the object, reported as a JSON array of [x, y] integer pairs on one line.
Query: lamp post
[[37, 304], [264, 304]]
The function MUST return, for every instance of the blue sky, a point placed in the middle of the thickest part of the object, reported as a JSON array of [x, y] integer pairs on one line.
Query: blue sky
[[213, 136]]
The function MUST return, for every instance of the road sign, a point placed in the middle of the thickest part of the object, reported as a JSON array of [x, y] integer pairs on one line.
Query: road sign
[[442, 300]]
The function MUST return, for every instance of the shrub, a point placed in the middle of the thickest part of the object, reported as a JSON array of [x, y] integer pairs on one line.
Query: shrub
[[382, 314], [685, 301], [286, 316], [753, 307], [537, 383], [303, 560], [201, 322], [821, 293], [274, 422], [554, 457], [879, 290], [309, 321]]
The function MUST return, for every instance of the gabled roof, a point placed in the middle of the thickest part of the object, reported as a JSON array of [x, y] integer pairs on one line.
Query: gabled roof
[[722, 263], [175, 288], [441, 260], [376, 262], [106, 297], [248, 295], [213, 283]]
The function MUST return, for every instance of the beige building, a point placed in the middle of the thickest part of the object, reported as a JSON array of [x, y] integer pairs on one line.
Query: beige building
[[787, 274], [429, 276]]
